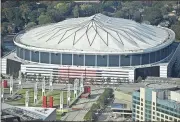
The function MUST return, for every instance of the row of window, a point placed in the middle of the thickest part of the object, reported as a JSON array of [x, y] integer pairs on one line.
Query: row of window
[[92, 60], [162, 116], [176, 110], [168, 113], [148, 116], [162, 120]]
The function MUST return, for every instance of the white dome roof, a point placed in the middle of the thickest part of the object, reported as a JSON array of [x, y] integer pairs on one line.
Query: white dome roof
[[96, 33]]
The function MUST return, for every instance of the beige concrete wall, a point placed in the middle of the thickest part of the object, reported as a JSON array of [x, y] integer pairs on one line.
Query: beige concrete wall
[[175, 96], [120, 95]]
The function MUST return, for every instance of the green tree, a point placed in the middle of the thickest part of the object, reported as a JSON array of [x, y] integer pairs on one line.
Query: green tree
[[30, 24], [164, 10], [137, 16], [62, 8], [55, 15], [33, 15], [41, 10], [88, 116], [9, 14], [76, 11], [119, 14], [44, 19], [86, 10], [25, 10], [176, 29], [95, 107], [153, 15], [18, 21], [4, 28]]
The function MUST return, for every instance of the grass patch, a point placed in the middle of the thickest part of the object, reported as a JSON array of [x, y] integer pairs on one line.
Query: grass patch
[[54, 93], [56, 97], [6, 90], [21, 102]]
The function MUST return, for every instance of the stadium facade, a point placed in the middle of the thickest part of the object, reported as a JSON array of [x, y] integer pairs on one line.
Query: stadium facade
[[96, 47]]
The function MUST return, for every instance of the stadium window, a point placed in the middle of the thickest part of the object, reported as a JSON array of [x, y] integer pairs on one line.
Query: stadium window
[[153, 108], [141, 99], [153, 103], [141, 104]]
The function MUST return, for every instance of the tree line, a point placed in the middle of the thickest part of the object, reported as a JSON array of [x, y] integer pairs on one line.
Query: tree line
[[20, 15]]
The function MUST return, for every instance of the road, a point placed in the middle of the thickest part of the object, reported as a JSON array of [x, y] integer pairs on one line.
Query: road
[[85, 104]]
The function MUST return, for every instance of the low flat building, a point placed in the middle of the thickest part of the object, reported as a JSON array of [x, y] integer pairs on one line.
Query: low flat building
[[120, 108], [28, 113]]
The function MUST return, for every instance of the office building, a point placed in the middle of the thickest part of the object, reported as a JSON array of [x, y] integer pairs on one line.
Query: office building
[[160, 103]]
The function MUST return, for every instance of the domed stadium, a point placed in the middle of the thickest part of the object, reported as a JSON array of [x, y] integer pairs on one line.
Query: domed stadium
[[95, 46], [95, 41]]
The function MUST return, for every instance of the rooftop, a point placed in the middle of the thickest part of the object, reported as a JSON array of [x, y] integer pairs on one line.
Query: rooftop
[[27, 113], [161, 86], [164, 97], [118, 106], [96, 34]]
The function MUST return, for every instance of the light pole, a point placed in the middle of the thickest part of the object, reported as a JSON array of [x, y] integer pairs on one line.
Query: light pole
[[50, 83], [61, 101], [27, 99], [20, 79], [68, 95], [43, 86], [35, 93], [11, 85]]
